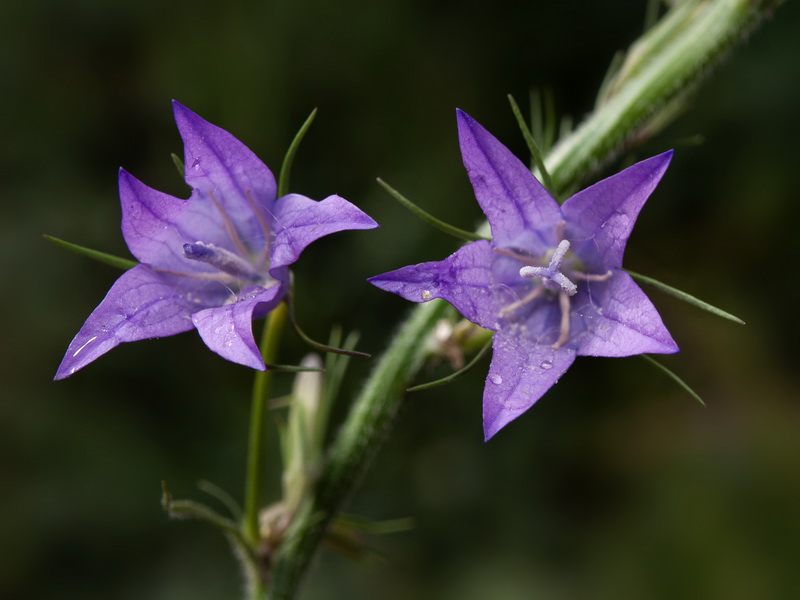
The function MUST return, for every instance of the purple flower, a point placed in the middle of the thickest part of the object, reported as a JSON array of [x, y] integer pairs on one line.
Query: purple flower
[[215, 261], [549, 284]]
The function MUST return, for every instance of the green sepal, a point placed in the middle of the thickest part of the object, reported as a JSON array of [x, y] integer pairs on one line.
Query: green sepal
[[109, 259], [533, 147], [461, 234], [543, 118], [667, 289], [286, 167], [674, 377], [178, 164], [336, 365], [455, 375]]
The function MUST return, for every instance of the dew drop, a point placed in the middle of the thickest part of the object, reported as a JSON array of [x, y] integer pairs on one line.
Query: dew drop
[[426, 294], [546, 364], [495, 379]]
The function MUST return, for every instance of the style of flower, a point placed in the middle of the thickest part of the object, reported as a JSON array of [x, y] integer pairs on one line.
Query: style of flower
[[214, 261], [549, 283]]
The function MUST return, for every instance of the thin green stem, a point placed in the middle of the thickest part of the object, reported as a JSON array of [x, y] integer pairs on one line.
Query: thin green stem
[[255, 449], [372, 414]]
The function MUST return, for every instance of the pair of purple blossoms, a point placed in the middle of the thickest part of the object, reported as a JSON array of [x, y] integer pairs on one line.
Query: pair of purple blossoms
[[548, 284]]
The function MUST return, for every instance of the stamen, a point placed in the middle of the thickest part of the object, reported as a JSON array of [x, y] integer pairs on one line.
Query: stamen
[[563, 336], [527, 260], [229, 228], [262, 223], [553, 271], [560, 230], [592, 277], [225, 260], [220, 277], [535, 293]]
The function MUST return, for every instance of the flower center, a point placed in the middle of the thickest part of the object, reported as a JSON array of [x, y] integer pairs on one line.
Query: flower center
[[553, 280], [552, 277], [239, 267]]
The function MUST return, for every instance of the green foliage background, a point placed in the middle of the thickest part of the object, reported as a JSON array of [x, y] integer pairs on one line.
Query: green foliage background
[[616, 485]]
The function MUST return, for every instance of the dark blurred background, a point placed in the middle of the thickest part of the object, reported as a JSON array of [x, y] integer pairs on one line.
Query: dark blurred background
[[616, 485]]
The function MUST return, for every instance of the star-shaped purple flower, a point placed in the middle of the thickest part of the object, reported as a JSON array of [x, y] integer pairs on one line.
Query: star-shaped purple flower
[[215, 261], [549, 283]]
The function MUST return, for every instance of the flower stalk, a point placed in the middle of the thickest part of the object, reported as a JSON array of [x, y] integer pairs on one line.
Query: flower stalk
[[674, 57], [254, 482]]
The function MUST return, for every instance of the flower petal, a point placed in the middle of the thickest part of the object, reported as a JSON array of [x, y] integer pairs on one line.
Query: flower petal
[[521, 372], [141, 304], [228, 329], [600, 218], [520, 211], [299, 221], [618, 319], [223, 170], [464, 279], [156, 225]]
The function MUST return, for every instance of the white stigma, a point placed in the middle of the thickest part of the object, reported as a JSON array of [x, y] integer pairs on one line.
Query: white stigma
[[553, 271]]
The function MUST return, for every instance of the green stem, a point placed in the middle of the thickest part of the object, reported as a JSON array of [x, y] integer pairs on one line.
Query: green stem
[[372, 413], [673, 66], [255, 449], [668, 62]]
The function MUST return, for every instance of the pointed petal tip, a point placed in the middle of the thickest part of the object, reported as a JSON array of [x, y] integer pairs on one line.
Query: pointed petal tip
[[660, 161], [61, 375], [178, 108], [464, 120], [488, 433]]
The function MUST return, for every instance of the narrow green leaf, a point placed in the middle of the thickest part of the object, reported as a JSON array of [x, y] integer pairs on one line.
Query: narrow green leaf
[[674, 377], [684, 296], [178, 164], [455, 375], [188, 509], [109, 259], [336, 364], [195, 510], [286, 167], [428, 218], [651, 14], [224, 497], [376, 527], [533, 148], [292, 369]]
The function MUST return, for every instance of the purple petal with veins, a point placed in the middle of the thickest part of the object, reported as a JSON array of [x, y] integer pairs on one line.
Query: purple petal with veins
[[213, 261]]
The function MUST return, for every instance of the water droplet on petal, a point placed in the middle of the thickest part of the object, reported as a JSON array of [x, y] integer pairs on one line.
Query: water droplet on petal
[[426, 294], [546, 364], [495, 379]]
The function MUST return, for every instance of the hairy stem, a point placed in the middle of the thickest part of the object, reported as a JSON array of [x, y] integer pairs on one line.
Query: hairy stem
[[666, 63]]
